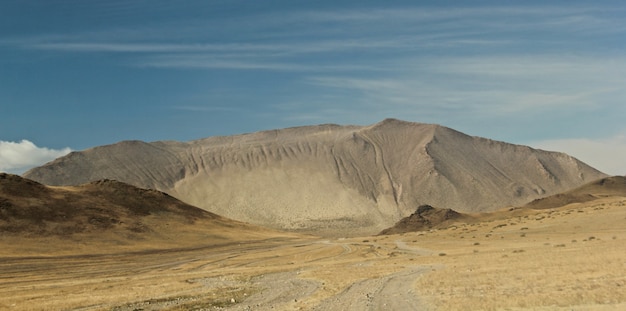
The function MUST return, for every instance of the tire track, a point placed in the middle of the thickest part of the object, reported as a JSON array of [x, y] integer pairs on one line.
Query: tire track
[[391, 292]]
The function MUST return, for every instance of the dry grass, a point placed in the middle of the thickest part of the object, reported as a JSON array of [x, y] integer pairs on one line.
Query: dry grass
[[567, 258], [571, 257]]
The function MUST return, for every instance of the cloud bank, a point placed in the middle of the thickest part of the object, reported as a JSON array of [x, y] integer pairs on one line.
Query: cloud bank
[[606, 155], [17, 157]]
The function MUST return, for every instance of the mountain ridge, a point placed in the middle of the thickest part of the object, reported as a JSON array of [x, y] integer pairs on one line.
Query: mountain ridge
[[324, 178]]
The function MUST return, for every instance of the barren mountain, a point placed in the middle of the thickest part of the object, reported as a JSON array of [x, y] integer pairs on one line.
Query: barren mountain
[[330, 179], [606, 187], [107, 212]]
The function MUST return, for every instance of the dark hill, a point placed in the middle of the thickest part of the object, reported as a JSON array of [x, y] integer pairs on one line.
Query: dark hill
[[425, 217], [112, 212]]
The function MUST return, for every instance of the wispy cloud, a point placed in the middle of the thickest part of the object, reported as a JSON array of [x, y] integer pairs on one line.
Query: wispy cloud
[[209, 109], [268, 49], [237, 62], [328, 40], [17, 157], [151, 47], [493, 85]]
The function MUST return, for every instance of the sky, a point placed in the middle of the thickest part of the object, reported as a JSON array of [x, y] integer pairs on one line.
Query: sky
[[76, 74]]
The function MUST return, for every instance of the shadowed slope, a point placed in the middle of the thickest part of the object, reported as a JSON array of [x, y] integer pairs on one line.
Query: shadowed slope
[[331, 179], [110, 213]]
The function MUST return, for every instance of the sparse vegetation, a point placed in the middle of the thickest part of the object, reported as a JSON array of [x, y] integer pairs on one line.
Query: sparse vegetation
[[189, 273]]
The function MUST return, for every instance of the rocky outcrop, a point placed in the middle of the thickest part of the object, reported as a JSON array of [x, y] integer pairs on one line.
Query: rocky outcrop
[[424, 218]]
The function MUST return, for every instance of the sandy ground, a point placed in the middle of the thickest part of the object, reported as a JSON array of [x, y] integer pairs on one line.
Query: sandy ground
[[571, 258]]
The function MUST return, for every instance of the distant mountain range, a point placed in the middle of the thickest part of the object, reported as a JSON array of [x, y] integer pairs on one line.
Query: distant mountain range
[[330, 179]]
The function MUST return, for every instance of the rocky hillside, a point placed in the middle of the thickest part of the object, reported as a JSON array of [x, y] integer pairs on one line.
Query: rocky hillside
[[106, 211], [331, 179], [424, 218]]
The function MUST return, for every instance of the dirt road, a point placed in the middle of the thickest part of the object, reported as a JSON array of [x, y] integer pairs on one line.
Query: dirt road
[[392, 292], [574, 255], [270, 275]]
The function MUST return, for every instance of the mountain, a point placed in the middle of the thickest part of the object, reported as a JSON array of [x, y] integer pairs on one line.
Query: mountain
[[605, 187], [107, 212], [330, 179]]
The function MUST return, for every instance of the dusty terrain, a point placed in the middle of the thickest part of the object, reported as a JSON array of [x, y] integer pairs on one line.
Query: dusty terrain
[[329, 179], [567, 258]]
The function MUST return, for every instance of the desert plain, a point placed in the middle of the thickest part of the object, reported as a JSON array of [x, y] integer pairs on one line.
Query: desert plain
[[567, 258]]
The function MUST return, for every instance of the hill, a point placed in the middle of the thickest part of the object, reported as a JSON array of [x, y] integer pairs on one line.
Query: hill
[[106, 213], [330, 179], [602, 188], [424, 218]]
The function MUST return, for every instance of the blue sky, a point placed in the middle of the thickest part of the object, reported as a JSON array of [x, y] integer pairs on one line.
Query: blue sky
[[77, 74]]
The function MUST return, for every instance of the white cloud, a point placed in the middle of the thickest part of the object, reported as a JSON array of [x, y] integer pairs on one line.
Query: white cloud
[[606, 155], [17, 157]]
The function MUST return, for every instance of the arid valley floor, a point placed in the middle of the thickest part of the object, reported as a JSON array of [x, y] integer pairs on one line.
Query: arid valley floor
[[567, 258]]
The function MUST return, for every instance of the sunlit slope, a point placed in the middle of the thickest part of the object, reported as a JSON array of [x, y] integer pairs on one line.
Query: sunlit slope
[[330, 178]]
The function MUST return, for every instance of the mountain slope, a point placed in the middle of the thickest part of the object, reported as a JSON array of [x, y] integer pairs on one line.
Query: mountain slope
[[606, 187], [107, 212], [328, 178]]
